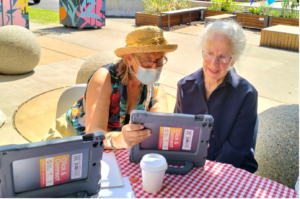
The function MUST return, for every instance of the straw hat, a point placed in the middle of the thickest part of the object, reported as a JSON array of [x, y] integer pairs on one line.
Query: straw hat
[[145, 39]]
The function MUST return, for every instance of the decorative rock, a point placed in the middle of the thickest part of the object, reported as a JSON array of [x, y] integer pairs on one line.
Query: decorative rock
[[277, 147], [92, 64], [2, 118], [20, 51]]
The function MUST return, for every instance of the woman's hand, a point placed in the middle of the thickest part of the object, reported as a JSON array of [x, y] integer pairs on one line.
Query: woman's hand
[[131, 135]]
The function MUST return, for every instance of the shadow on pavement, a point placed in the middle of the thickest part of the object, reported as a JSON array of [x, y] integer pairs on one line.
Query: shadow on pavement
[[8, 78], [60, 30]]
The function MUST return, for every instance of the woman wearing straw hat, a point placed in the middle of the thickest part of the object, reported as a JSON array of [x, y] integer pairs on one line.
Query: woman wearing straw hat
[[115, 90]]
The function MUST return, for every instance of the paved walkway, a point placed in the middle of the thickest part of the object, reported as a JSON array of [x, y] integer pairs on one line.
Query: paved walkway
[[274, 73]]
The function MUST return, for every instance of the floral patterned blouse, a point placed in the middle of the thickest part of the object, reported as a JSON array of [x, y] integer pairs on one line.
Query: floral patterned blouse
[[118, 103]]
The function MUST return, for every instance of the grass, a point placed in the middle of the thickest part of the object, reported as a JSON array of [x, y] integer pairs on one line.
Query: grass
[[43, 16]]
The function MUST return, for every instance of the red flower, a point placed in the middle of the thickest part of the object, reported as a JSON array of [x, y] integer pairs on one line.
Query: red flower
[[115, 110], [115, 99], [114, 125]]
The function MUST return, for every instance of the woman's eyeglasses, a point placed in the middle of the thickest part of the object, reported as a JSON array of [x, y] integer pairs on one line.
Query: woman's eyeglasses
[[147, 63], [223, 59]]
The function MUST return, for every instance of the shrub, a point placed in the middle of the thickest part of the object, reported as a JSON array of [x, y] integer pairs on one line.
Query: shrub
[[275, 13], [158, 6], [224, 5], [261, 10]]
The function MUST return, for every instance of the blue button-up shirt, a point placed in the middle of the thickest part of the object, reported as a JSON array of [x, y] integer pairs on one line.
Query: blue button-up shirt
[[233, 105]]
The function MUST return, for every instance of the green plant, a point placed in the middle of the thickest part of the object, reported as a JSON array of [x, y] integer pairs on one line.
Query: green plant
[[275, 13], [158, 6], [225, 5], [289, 9], [261, 10], [252, 10]]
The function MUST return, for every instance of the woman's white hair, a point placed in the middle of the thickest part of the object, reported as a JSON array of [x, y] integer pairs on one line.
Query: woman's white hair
[[232, 30]]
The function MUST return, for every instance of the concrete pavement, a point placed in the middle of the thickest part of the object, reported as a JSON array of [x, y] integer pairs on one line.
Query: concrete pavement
[[274, 73]]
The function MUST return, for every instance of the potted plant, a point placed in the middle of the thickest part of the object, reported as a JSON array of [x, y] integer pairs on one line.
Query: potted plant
[[289, 15], [153, 8]]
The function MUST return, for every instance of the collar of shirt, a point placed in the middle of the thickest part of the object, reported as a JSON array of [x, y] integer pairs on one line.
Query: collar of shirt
[[231, 77]]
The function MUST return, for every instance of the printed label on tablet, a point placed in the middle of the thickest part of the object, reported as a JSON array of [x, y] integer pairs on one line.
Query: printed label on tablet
[[170, 138], [76, 166], [187, 139], [54, 170]]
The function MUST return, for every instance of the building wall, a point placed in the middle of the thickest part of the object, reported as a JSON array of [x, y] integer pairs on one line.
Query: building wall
[[123, 8]]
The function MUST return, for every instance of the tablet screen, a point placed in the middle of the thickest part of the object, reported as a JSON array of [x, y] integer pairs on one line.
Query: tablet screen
[[39, 172], [171, 138]]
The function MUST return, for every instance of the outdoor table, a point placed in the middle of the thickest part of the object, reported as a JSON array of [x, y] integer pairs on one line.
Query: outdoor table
[[215, 180]]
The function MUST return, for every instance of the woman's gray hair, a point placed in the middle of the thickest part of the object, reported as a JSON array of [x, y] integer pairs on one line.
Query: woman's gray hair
[[232, 30]]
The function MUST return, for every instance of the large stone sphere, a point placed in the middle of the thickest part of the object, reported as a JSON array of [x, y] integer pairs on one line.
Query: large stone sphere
[[277, 146], [20, 50], [92, 64]]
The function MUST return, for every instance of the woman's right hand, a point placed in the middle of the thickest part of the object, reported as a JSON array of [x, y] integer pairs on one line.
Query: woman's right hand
[[131, 135]]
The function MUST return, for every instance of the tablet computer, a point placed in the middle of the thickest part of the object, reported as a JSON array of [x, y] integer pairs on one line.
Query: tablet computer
[[67, 167], [181, 138]]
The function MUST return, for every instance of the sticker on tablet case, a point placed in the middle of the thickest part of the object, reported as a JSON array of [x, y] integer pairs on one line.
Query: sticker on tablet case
[[170, 138], [187, 139], [54, 170]]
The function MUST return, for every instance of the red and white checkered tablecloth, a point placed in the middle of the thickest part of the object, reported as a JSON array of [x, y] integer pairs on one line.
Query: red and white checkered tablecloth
[[215, 180]]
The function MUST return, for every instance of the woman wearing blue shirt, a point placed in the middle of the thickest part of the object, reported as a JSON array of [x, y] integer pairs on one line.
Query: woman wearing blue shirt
[[217, 89]]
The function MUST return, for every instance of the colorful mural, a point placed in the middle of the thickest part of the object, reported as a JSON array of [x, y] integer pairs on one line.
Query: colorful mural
[[82, 13], [14, 12]]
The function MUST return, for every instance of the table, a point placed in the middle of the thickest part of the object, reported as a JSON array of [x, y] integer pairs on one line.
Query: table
[[182, 11], [280, 36], [218, 17], [213, 180]]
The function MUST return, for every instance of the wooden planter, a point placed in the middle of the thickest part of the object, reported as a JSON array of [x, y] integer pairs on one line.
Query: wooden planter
[[142, 19], [273, 21], [252, 21], [209, 13]]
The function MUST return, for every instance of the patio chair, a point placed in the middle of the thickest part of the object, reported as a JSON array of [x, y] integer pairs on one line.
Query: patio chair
[[69, 97]]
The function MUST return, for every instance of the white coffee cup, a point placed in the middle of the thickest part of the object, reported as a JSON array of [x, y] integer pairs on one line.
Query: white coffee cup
[[153, 168]]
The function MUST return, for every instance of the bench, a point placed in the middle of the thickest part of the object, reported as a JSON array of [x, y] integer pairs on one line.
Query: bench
[[280, 36], [218, 17], [182, 11]]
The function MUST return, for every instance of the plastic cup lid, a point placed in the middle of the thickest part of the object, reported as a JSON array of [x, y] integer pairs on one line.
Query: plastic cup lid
[[154, 162]]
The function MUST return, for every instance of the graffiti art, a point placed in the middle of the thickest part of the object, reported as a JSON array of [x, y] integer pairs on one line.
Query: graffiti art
[[14, 12], [82, 13]]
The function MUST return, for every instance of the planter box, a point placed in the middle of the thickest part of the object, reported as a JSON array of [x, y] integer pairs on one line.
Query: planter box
[[14, 13], [209, 13], [273, 21], [82, 13], [252, 21], [142, 19]]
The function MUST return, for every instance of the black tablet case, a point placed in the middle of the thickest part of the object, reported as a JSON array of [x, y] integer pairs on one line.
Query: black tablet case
[[196, 157], [10, 154]]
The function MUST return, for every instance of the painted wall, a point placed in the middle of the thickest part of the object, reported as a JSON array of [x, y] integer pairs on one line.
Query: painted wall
[[82, 13], [123, 8], [14, 12]]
